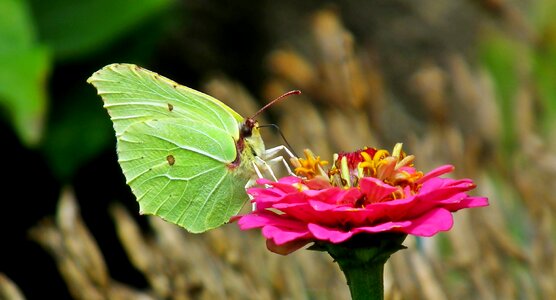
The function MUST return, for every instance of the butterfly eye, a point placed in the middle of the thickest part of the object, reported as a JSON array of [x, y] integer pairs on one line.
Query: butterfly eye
[[246, 129]]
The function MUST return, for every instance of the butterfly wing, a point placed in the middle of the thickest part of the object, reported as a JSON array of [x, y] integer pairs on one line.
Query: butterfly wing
[[175, 146], [177, 170], [133, 94]]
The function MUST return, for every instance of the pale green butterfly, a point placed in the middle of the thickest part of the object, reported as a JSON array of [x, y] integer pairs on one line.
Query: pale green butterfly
[[186, 156]]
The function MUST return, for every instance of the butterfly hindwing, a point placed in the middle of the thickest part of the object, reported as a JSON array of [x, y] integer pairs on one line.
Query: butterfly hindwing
[[178, 169]]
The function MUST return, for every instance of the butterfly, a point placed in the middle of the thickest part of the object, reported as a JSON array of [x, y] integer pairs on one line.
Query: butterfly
[[186, 156]]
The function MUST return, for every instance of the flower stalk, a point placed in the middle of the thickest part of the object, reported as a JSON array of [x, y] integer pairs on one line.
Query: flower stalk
[[362, 261]]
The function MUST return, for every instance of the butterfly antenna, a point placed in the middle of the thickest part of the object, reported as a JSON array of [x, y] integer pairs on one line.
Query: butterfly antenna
[[282, 135], [294, 92]]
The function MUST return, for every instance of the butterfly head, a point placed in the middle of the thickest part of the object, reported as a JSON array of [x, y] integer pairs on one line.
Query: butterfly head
[[250, 135]]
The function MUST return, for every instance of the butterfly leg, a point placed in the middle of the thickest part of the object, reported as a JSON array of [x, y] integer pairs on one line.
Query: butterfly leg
[[251, 183], [261, 162], [258, 162], [272, 152], [281, 159], [257, 170]]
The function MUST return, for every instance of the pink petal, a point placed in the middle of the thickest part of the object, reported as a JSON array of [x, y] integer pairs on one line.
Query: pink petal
[[281, 229], [332, 235], [318, 183], [285, 184], [252, 220], [265, 193], [389, 210], [264, 218], [286, 248], [436, 172], [320, 206], [334, 195], [430, 223], [468, 202], [374, 189], [299, 211], [285, 233], [437, 185], [386, 226]]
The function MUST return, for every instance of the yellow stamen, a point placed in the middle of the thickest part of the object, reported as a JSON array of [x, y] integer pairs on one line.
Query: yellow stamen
[[379, 155], [395, 170], [366, 167], [310, 167]]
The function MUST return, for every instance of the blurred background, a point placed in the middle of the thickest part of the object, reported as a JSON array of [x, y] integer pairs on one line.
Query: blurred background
[[469, 83]]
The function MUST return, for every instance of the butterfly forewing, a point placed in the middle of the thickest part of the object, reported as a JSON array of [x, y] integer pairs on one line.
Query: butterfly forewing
[[133, 94]]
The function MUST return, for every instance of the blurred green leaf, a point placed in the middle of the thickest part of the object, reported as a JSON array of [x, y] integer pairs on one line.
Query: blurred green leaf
[[16, 29], [545, 81], [24, 66], [76, 28], [499, 56], [544, 67]]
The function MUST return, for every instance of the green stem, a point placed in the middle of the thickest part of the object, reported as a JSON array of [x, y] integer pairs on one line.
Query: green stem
[[365, 281], [362, 260]]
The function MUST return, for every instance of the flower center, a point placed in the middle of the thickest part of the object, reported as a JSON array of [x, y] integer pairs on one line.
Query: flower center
[[349, 168]]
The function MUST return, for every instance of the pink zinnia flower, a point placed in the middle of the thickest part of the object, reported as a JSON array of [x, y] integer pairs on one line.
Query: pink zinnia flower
[[367, 191]]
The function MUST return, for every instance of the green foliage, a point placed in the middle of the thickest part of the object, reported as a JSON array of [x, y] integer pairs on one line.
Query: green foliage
[[499, 55], [545, 80], [24, 65], [77, 28], [16, 29], [544, 63], [510, 61]]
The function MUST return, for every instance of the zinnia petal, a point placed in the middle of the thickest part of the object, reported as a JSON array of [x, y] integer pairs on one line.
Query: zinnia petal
[[286, 232], [375, 190], [430, 223], [286, 248], [333, 235], [436, 173]]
